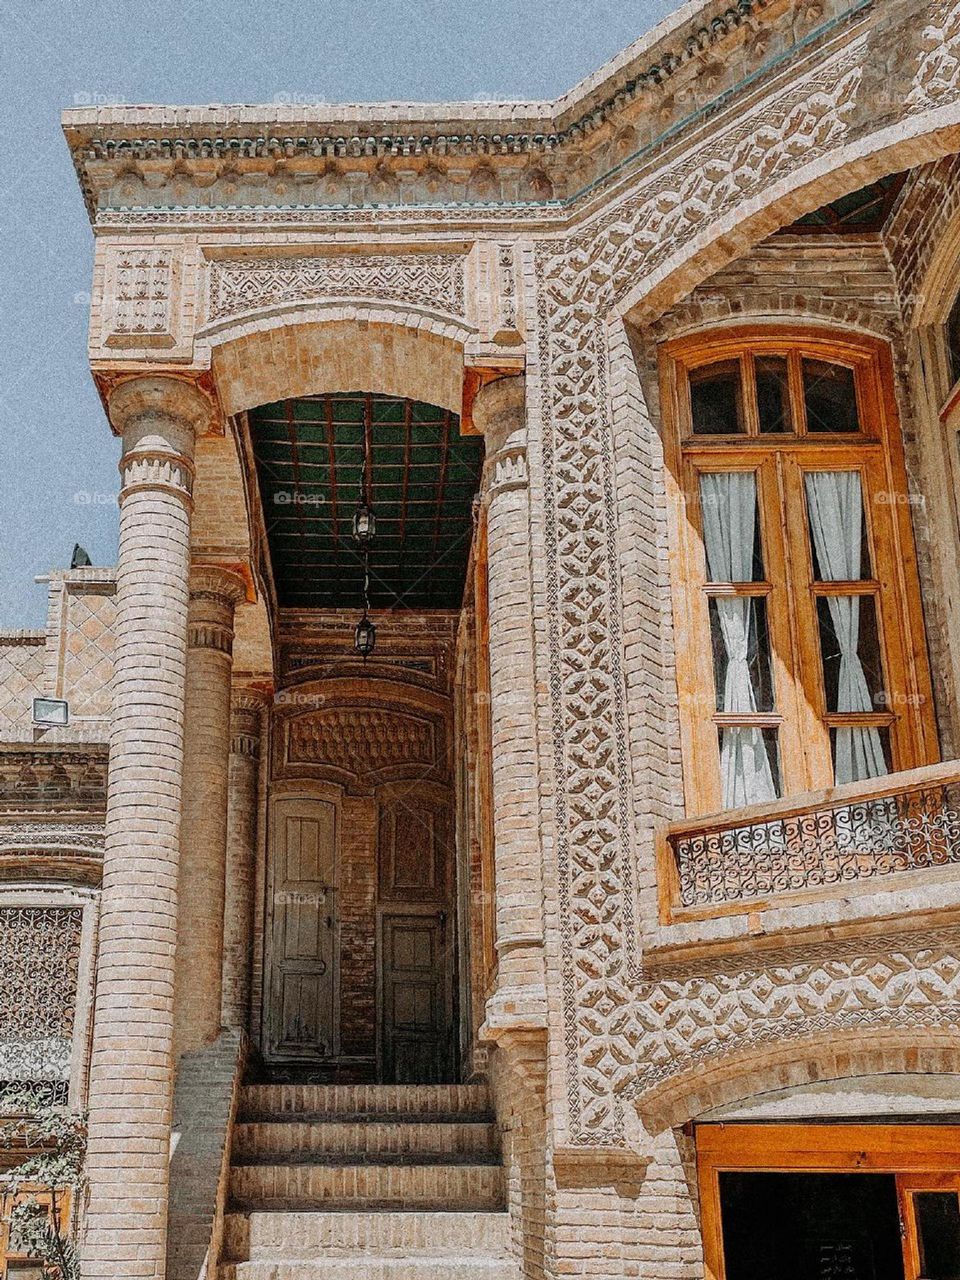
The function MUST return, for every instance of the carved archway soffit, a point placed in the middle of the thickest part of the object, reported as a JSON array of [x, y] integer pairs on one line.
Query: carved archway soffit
[[832, 109]]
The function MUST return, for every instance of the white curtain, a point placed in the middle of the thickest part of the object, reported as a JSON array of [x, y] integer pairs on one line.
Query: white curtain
[[835, 503], [729, 504]]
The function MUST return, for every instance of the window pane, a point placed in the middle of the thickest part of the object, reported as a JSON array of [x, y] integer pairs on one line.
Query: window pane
[[716, 399], [838, 526], [953, 338], [749, 766], [850, 652], [741, 653], [860, 753], [810, 1226], [731, 526], [831, 397], [938, 1234], [773, 395]]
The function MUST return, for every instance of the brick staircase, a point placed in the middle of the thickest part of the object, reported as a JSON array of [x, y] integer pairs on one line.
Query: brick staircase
[[366, 1182]]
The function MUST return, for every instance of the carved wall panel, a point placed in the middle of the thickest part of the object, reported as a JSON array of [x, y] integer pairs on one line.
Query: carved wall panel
[[353, 742], [141, 297], [432, 281]]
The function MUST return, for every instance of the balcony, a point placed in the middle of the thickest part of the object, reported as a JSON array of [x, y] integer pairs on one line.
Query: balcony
[[862, 837]]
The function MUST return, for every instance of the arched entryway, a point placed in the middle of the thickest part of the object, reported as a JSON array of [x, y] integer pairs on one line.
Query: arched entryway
[[365, 939]]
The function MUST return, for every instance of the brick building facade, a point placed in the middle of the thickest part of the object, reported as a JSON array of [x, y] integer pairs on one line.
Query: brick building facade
[[607, 910]]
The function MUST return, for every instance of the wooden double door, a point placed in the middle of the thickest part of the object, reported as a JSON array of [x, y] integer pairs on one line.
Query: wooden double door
[[361, 953]]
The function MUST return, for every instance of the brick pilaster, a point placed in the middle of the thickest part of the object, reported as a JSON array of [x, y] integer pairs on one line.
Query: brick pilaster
[[214, 595], [499, 412], [131, 1081], [246, 725]]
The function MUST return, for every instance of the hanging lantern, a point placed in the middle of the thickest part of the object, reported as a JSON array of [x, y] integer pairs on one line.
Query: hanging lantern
[[364, 523], [365, 637]]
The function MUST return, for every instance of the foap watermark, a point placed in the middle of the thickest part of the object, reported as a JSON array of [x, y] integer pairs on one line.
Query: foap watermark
[[291, 98], [293, 498], [97, 98], [295, 698], [95, 498]]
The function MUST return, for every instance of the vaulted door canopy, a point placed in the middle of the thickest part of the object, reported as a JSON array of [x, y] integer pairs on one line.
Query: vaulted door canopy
[[317, 455]]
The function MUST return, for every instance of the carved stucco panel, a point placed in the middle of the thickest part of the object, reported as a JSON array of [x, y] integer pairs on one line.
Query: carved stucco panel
[[583, 279], [434, 282], [141, 300], [692, 1018]]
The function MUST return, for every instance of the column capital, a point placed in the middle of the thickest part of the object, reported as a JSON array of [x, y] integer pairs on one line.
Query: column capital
[[247, 705], [158, 420], [217, 582], [215, 592], [141, 399], [499, 411]]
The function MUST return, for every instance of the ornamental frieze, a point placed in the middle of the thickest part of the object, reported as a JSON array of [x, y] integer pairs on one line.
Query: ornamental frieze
[[431, 281]]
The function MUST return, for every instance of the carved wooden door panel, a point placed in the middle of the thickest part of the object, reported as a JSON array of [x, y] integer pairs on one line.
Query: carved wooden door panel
[[301, 1014], [415, 1014], [416, 953]]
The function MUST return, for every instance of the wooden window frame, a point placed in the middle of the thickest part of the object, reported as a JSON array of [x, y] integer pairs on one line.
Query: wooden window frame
[[877, 451], [920, 1156]]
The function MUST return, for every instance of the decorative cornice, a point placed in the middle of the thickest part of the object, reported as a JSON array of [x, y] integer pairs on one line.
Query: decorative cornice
[[64, 838], [37, 778], [526, 155]]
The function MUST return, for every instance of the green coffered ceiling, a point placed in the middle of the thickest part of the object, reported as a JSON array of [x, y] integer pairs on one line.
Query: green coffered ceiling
[[423, 476]]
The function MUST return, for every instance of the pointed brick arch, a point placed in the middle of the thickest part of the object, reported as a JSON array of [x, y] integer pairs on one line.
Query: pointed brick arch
[[790, 195], [789, 1063]]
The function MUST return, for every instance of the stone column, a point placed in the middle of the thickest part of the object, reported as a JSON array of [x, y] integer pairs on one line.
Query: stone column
[[214, 595], [499, 412], [243, 806], [131, 1077]]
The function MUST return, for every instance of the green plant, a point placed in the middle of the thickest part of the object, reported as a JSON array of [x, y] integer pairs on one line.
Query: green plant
[[48, 1144]]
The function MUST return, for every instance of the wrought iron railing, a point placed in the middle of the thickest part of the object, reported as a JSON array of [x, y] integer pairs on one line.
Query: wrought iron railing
[[856, 833]]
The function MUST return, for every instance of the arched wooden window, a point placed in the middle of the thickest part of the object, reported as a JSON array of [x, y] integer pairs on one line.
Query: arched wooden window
[[801, 658]]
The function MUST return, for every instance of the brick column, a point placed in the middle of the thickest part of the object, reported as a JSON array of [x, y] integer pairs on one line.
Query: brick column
[[247, 714], [214, 595], [499, 412], [131, 1080]]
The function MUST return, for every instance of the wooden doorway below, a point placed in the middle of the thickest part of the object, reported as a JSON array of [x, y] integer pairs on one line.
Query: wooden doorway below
[[807, 1202]]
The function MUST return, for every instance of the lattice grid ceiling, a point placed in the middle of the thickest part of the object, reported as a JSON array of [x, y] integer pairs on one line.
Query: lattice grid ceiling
[[422, 477], [864, 210]]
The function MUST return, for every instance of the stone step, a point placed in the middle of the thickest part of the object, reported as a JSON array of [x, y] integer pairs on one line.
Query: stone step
[[295, 1140], [371, 1186], [426, 1268], [296, 1236], [370, 1101]]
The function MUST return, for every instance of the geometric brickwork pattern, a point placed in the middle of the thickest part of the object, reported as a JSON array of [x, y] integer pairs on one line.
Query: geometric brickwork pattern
[[583, 278], [21, 670], [88, 659]]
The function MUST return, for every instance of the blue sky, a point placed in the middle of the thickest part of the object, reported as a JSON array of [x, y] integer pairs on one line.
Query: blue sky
[[55, 445]]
